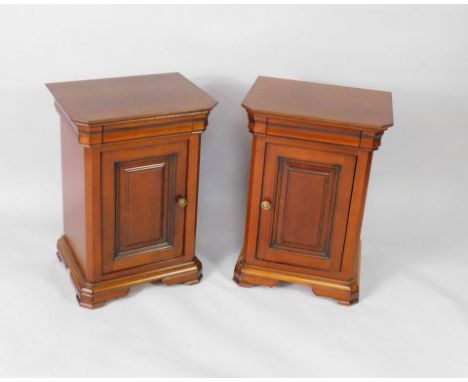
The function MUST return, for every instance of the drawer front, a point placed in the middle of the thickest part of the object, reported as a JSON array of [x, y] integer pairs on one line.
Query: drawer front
[[142, 221], [307, 194]]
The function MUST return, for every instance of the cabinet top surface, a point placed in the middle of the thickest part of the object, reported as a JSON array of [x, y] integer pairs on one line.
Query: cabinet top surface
[[129, 98], [317, 102]]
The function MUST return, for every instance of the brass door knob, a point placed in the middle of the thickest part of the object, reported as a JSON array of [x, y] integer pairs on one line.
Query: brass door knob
[[182, 202], [265, 204]]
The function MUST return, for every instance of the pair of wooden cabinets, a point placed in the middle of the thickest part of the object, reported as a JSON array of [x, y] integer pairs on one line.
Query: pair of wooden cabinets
[[130, 159]]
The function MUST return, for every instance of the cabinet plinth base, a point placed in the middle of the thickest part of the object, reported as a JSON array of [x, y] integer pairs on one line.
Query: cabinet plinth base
[[94, 295], [247, 280], [341, 297], [343, 292]]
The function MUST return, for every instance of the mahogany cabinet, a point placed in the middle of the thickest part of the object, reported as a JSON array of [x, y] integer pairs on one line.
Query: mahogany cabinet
[[311, 158], [130, 159]]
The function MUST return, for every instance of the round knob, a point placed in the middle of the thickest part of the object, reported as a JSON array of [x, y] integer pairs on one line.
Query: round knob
[[182, 202], [265, 204]]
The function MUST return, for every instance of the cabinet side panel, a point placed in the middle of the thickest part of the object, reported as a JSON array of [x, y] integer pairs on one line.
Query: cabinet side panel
[[73, 186], [193, 164], [257, 161]]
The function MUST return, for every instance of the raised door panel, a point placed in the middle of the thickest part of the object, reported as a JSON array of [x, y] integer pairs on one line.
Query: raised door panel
[[304, 204], [309, 193], [144, 189], [142, 223]]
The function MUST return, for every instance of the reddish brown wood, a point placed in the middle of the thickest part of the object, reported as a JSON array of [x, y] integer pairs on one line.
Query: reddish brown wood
[[141, 197], [73, 186], [119, 99], [130, 159], [321, 103], [311, 157], [315, 208]]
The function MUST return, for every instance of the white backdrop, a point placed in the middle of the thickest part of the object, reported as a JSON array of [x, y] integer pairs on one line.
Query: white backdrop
[[413, 316]]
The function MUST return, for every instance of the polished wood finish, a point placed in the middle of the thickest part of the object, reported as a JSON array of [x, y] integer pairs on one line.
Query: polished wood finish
[[141, 204], [307, 223], [321, 103], [311, 156], [121, 99], [130, 159]]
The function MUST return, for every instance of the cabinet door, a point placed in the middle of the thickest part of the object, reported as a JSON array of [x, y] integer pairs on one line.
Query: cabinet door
[[307, 194], [142, 221]]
